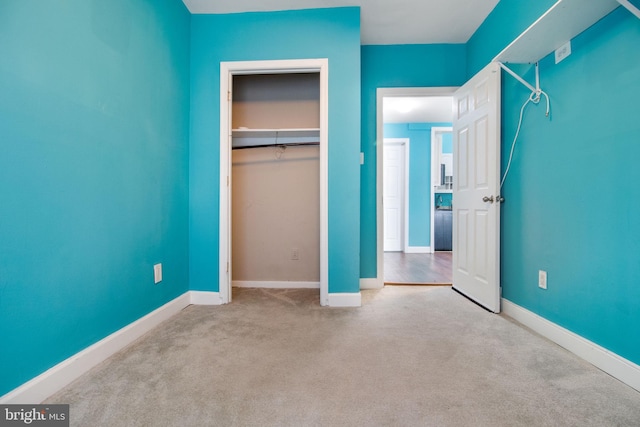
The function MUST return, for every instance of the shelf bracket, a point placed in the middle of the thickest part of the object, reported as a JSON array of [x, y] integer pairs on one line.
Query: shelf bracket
[[535, 91]]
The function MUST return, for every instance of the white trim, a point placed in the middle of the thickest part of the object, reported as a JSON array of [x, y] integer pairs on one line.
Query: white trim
[[630, 7], [205, 298], [227, 70], [324, 180], [62, 374], [435, 148], [405, 143], [345, 299], [382, 93], [375, 283], [616, 366], [418, 250], [563, 21], [224, 226], [432, 203], [407, 195], [275, 284], [54, 379]]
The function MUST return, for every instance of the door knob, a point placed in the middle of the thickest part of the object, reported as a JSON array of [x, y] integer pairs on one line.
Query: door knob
[[487, 199]]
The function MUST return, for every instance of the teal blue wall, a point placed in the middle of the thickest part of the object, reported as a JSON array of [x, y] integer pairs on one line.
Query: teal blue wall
[[98, 183], [447, 143], [93, 172], [443, 199], [554, 218], [419, 135], [393, 66], [320, 33]]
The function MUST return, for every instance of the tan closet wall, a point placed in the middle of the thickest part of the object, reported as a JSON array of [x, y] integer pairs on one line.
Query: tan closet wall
[[276, 191]]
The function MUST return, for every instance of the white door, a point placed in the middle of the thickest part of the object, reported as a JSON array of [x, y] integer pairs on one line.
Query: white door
[[476, 188], [393, 193]]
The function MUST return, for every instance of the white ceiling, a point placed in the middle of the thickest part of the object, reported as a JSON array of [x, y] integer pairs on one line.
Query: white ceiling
[[382, 21], [414, 109]]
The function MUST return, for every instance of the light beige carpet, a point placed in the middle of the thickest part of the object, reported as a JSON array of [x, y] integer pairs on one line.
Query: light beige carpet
[[411, 356]]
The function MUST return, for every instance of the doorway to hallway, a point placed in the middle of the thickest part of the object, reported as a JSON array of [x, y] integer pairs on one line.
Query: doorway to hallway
[[413, 122]]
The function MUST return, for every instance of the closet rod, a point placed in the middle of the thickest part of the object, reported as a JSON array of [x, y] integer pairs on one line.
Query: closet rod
[[287, 144]]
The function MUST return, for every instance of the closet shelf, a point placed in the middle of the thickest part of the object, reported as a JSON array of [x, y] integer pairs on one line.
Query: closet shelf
[[246, 137], [561, 23], [240, 132]]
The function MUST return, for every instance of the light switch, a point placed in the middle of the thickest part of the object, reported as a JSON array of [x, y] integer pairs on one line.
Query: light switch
[[157, 273]]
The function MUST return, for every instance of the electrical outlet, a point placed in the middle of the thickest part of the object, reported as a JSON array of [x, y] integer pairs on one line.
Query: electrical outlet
[[563, 51], [295, 254], [157, 273], [542, 279]]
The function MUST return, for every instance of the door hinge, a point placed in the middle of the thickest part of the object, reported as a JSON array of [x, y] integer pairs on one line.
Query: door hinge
[[227, 180], [228, 95], [227, 267]]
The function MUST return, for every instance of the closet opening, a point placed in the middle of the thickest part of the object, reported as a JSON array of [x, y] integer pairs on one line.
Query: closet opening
[[275, 171], [274, 233]]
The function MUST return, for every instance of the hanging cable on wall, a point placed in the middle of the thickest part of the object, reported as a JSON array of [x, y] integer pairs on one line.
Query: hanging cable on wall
[[534, 98]]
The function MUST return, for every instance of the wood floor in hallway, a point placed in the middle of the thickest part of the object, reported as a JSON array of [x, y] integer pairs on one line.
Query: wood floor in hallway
[[418, 269]]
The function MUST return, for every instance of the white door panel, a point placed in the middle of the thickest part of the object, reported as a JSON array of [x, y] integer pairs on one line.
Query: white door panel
[[394, 173], [482, 153], [476, 211], [391, 221], [461, 158], [461, 246]]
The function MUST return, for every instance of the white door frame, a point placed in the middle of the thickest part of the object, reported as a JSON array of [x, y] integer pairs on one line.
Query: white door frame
[[434, 177], [227, 71], [382, 93], [405, 143]]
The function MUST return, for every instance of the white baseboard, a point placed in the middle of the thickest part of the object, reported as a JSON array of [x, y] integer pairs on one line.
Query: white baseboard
[[205, 298], [616, 366], [62, 374], [274, 284], [345, 300], [417, 250], [373, 283], [54, 379]]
